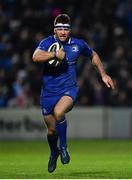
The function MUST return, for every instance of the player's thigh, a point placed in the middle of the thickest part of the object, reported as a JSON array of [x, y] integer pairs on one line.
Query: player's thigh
[[63, 105]]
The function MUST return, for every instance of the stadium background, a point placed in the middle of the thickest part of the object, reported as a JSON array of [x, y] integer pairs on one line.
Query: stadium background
[[106, 26], [104, 114]]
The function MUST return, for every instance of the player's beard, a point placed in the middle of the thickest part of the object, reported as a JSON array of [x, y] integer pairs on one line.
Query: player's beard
[[62, 39]]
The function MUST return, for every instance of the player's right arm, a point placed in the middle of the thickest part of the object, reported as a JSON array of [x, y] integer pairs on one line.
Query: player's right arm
[[41, 53], [42, 56]]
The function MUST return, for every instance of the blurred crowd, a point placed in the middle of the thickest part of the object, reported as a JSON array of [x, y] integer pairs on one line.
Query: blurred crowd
[[105, 25]]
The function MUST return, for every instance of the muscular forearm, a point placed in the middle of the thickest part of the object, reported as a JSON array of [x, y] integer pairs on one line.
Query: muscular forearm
[[42, 56], [97, 62], [105, 78]]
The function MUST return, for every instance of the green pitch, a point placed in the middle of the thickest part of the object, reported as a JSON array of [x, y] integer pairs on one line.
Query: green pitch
[[89, 159]]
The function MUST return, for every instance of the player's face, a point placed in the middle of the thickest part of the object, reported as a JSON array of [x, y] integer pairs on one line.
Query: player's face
[[62, 33]]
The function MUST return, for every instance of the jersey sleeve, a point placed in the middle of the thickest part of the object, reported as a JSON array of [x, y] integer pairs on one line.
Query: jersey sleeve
[[86, 50], [44, 44]]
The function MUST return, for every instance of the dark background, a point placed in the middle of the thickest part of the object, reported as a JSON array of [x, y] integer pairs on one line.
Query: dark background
[[105, 25]]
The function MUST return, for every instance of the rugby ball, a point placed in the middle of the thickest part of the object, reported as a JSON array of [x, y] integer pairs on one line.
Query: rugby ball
[[53, 48]]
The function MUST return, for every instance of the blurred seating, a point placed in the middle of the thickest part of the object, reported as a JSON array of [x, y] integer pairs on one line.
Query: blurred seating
[[105, 25]]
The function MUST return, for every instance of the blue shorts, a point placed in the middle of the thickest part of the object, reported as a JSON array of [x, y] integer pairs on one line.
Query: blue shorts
[[48, 102]]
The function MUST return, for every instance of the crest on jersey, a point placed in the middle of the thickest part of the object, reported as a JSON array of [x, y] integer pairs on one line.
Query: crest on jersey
[[75, 48]]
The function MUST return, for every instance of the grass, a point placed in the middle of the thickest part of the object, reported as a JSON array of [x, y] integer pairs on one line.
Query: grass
[[89, 159]]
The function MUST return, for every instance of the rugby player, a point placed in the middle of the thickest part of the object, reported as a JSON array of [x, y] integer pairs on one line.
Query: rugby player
[[59, 90]]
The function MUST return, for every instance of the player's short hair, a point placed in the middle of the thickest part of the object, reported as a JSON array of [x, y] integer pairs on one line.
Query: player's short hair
[[62, 19]]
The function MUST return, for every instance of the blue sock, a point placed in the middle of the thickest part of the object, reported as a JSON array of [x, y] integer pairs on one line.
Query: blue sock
[[61, 127], [52, 140]]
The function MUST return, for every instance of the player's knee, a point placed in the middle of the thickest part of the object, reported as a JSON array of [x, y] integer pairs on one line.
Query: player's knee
[[51, 131], [58, 114]]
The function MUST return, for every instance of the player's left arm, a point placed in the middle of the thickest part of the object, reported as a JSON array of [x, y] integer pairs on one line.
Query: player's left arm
[[96, 61]]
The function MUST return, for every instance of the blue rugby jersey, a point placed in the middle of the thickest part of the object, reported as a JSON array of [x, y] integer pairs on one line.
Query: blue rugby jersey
[[58, 79]]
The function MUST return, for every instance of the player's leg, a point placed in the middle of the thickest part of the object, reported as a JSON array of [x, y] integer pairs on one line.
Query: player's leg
[[63, 106], [52, 135], [47, 104], [65, 103], [52, 138]]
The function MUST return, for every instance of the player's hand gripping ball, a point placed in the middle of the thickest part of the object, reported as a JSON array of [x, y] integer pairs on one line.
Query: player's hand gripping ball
[[53, 48]]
